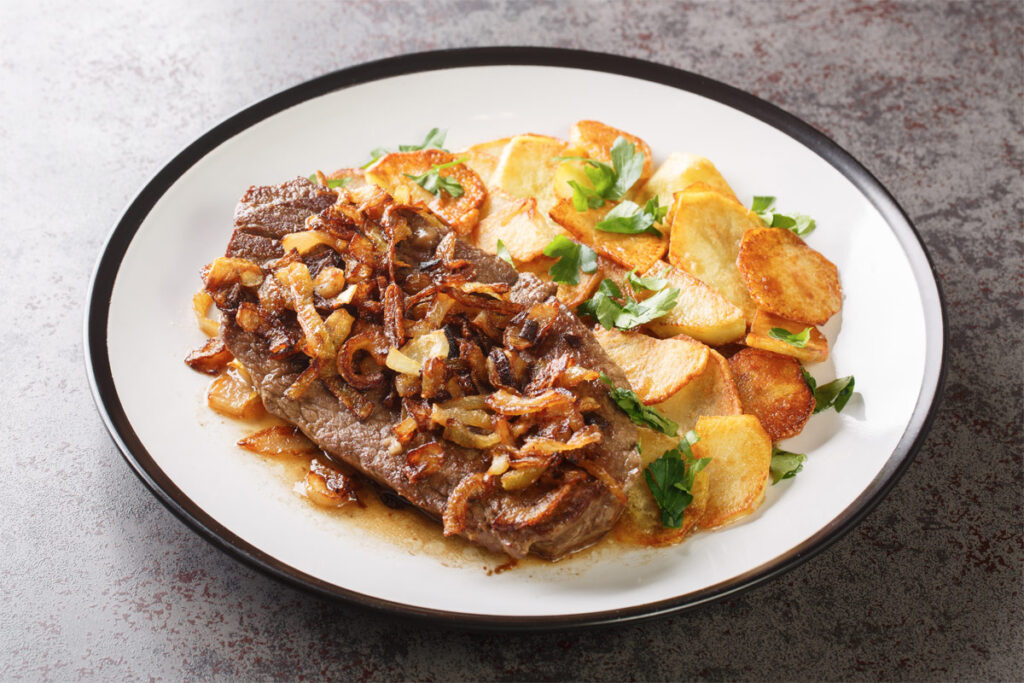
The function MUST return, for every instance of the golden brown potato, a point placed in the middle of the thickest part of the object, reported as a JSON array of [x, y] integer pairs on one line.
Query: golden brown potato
[[712, 392], [641, 522], [772, 387], [679, 172], [759, 337], [786, 277], [483, 158], [460, 213], [655, 368], [517, 223], [527, 168], [707, 228], [596, 140], [632, 251], [741, 454], [700, 311]]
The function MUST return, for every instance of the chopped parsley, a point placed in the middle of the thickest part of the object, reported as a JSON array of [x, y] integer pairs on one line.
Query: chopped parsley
[[785, 465], [609, 181], [434, 140], [572, 258], [629, 219], [835, 394], [502, 252], [797, 339], [798, 223], [612, 308], [651, 284], [645, 416], [433, 182], [670, 479]]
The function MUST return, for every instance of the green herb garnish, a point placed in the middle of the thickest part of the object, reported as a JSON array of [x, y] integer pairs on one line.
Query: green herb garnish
[[434, 140], [612, 308], [629, 219], [433, 182], [645, 416], [798, 223], [651, 284], [331, 182], [835, 394], [797, 339], [502, 252], [609, 181], [785, 465], [670, 479], [572, 258]]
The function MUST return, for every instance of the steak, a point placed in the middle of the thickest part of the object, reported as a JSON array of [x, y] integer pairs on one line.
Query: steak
[[570, 506]]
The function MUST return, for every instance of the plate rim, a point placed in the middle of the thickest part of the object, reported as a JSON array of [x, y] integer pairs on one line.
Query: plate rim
[[133, 451]]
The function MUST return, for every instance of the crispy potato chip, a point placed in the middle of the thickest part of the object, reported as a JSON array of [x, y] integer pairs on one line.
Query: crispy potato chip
[[788, 278], [707, 228], [570, 295], [741, 454], [461, 213], [655, 368], [712, 392], [759, 337], [679, 172], [517, 223], [641, 521], [700, 311], [596, 139], [483, 158], [772, 388], [632, 251]]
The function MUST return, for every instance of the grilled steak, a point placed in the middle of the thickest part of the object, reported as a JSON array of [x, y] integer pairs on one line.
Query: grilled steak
[[556, 496]]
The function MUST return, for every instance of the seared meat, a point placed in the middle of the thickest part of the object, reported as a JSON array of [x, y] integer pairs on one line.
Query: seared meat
[[578, 495]]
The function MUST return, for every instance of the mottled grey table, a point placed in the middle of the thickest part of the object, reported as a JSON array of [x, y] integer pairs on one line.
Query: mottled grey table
[[99, 581]]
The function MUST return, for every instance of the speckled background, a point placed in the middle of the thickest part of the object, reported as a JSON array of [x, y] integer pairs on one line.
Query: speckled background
[[98, 581]]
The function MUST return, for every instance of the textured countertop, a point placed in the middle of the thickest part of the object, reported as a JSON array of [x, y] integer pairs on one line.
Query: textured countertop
[[99, 581]]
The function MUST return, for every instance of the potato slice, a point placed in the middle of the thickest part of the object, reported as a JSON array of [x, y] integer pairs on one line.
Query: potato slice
[[788, 278], [641, 521], [517, 223], [772, 387], [707, 228], [527, 168], [712, 392], [677, 173], [570, 295], [700, 311], [759, 337], [461, 213], [741, 454], [596, 140], [655, 368], [632, 251], [483, 158]]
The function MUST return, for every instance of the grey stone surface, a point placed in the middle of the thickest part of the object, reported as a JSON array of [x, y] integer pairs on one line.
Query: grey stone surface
[[98, 581]]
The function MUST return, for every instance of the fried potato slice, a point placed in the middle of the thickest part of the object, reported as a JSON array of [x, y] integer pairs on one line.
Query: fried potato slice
[[655, 368], [707, 228], [596, 140], [712, 392], [759, 337], [483, 158], [772, 388], [679, 172], [517, 223], [641, 521], [632, 251], [527, 168], [741, 454], [570, 295], [788, 278], [700, 311], [460, 213]]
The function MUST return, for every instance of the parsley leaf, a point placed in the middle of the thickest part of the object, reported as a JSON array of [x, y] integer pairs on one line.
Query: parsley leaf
[[798, 223], [670, 479], [331, 182], [503, 254], [434, 140], [651, 284], [572, 258], [629, 219], [433, 182], [645, 416], [629, 313], [609, 181], [785, 465], [835, 394], [797, 339]]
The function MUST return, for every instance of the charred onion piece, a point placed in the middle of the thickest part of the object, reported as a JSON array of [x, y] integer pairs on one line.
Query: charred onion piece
[[210, 358], [454, 516], [369, 343], [507, 403]]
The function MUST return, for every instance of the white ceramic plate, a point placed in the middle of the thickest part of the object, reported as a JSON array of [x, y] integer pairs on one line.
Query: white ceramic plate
[[140, 325]]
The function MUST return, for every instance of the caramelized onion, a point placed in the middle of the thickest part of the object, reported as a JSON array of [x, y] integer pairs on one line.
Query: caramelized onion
[[201, 303], [369, 343], [454, 516], [279, 440], [210, 358], [423, 461], [507, 403]]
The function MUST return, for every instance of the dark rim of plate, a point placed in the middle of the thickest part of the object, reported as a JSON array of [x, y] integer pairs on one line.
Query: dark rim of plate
[[135, 453]]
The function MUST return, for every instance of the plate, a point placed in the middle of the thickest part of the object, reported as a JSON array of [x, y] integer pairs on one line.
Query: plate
[[139, 326]]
